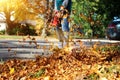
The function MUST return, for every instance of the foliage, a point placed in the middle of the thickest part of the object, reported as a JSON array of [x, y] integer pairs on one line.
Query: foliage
[[38, 74], [2, 32], [111, 9], [89, 14]]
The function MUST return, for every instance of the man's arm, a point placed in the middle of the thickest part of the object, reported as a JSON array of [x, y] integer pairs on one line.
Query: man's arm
[[65, 3]]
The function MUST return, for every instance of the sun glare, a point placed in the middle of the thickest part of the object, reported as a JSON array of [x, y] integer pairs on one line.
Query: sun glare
[[2, 0]]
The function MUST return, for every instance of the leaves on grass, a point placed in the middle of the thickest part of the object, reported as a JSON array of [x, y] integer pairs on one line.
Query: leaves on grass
[[81, 63], [38, 73]]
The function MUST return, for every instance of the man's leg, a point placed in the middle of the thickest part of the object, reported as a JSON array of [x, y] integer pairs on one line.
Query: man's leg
[[60, 36], [58, 33], [66, 35], [65, 29]]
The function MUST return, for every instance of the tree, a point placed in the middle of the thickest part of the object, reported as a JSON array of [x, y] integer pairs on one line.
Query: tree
[[19, 10], [110, 7], [47, 16], [88, 17], [95, 14]]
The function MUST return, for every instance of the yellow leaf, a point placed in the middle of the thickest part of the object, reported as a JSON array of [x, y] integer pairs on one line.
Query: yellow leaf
[[12, 70], [103, 78], [47, 78]]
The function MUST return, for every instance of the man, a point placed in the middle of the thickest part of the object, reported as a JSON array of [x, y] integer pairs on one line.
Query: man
[[62, 30]]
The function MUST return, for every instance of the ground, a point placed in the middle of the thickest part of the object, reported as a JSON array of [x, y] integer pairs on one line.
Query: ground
[[85, 61]]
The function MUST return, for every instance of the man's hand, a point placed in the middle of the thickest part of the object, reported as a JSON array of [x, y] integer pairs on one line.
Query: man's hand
[[62, 8]]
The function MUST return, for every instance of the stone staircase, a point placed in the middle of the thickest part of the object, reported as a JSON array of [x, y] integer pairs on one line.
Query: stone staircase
[[28, 49], [24, 49]]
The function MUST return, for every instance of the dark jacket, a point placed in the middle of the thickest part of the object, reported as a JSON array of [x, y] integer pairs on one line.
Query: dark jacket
[[66, 3]]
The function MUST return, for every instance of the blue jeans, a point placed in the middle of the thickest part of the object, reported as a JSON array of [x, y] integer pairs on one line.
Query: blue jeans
[[65, 25]]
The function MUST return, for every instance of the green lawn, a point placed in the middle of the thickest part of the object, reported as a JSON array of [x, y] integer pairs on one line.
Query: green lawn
[[11, 37], [21, 37]]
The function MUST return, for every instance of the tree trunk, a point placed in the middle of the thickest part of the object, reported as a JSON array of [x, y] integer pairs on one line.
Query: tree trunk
[[44, 31], [10, 24], [47, 16]]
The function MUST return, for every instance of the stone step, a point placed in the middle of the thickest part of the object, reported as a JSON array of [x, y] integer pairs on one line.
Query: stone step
[[24, 45], [19, 56], [23, 50]]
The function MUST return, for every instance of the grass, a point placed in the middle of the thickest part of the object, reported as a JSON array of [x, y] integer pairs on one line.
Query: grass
[[10, 37], [15, 37]]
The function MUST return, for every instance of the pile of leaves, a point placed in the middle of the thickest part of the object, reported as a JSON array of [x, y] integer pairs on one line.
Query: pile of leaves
[[99, 62]]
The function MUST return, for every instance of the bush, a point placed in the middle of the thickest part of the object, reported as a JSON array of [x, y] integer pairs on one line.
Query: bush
[[2, 32], [24, 30]]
